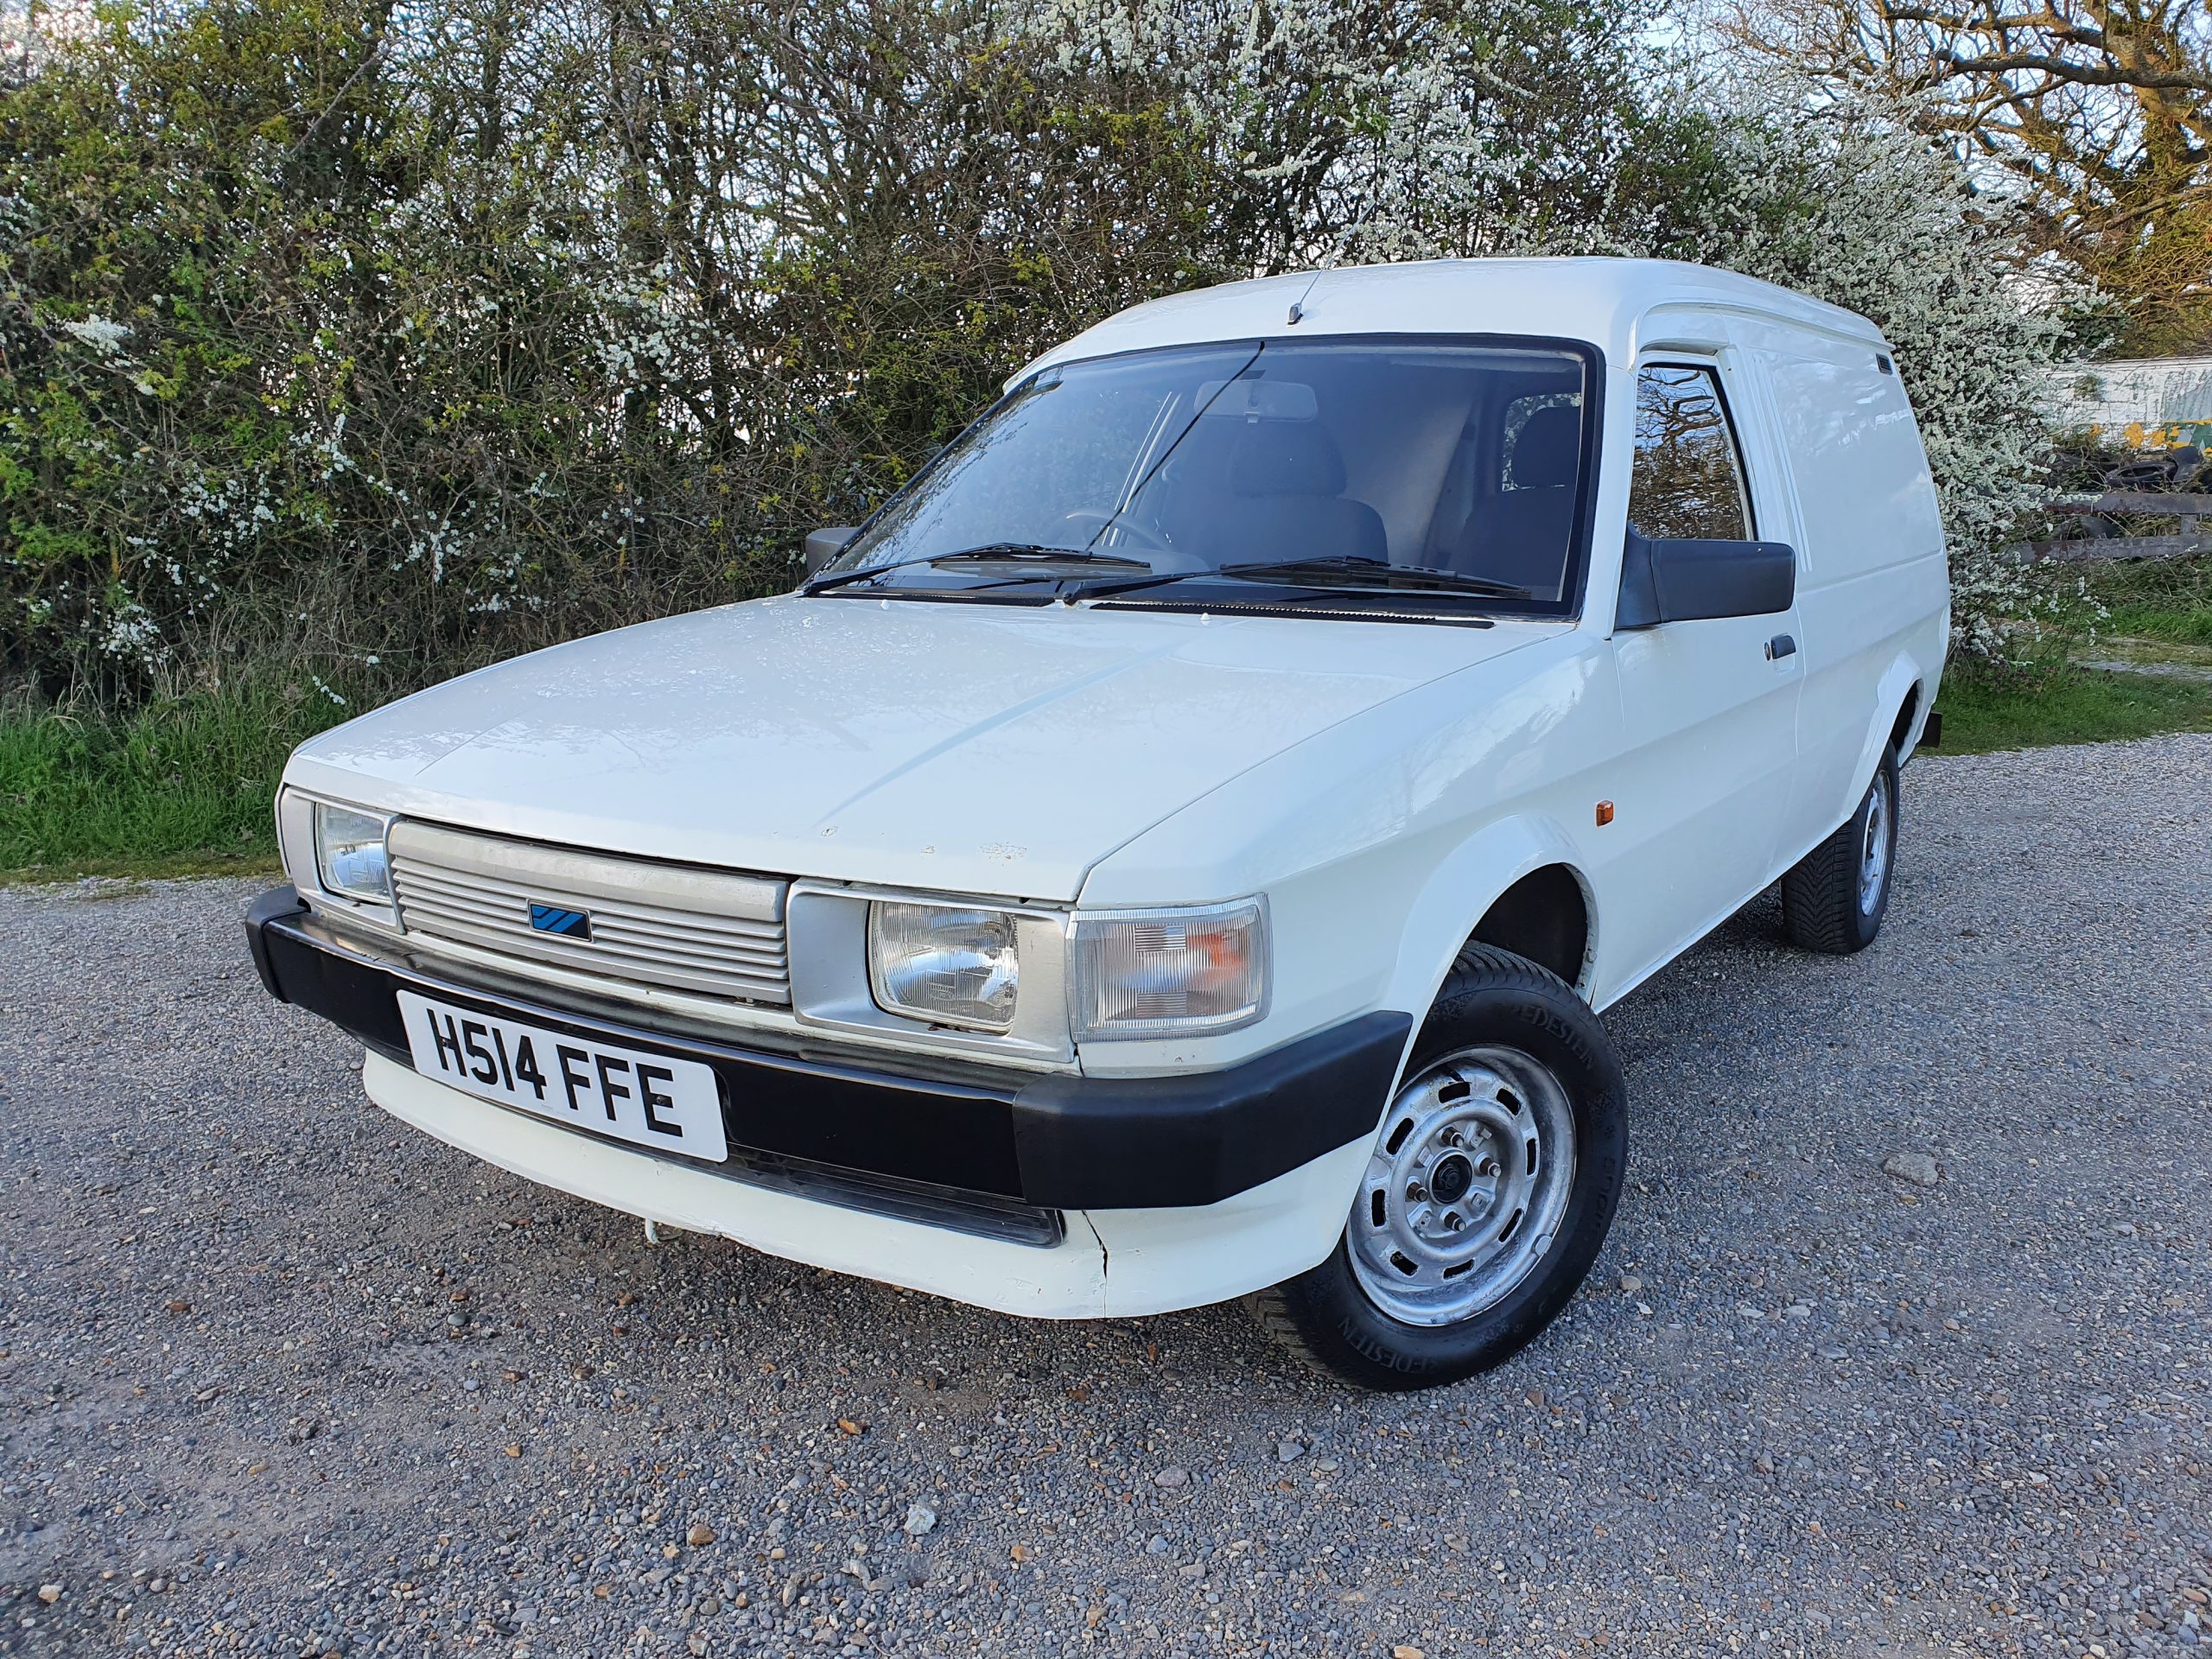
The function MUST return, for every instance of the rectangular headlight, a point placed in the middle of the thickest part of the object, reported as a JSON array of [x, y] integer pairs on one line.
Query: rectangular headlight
[[949, 964], [1152, 973], [349, 856]]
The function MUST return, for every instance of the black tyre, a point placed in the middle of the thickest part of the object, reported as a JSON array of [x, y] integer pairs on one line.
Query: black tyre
[[1834, 898], [1493, 1180]]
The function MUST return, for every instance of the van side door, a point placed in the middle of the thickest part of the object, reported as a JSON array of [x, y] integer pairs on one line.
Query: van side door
[[1709, 707]]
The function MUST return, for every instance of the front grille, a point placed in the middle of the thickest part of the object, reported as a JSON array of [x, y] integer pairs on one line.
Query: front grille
[[702, 933]]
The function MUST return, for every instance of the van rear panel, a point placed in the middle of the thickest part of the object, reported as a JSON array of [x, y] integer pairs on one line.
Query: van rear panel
[[1872, 585]]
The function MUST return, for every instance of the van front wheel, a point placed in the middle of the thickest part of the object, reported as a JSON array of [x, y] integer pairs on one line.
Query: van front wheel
[[1834, 899], [1489, 1190]]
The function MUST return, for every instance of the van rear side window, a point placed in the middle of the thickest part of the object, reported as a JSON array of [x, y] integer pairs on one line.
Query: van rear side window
[[1688, 479]]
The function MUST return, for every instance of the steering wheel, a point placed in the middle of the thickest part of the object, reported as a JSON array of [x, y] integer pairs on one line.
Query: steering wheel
[[1145, 536]]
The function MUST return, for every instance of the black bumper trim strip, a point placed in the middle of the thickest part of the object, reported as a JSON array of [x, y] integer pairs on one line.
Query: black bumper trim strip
[[1141, 1143]]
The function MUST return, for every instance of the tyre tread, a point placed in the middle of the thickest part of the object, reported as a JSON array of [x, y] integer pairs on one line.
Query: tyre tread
[[1820, 892], [1270, 1310], [1504, 967], [1816, 889]]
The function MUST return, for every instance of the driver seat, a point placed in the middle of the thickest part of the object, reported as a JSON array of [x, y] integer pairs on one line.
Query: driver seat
[[1521, 535], [1284, 499]]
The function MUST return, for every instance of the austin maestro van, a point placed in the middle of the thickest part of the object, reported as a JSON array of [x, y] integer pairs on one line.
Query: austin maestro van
[[1180, 846]]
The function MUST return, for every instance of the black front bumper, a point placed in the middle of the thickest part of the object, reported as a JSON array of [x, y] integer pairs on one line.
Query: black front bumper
[[1050, 1141]]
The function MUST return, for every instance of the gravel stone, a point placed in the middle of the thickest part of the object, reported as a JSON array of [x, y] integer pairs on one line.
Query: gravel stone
[[1914, 1166], [921, 1520], [227, 1375]]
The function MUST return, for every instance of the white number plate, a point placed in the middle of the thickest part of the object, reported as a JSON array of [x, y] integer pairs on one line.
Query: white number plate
[[654, 1100]]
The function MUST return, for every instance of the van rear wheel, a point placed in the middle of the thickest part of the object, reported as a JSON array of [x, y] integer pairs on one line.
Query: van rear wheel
[[1489, 1189], [1834, 899]]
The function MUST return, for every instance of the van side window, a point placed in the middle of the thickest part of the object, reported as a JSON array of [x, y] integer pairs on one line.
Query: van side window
[[1687, 479]]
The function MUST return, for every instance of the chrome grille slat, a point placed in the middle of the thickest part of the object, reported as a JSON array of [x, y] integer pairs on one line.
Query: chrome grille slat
[[654, 927], [606, 934], [616, 973], [646, 917], [600, 953], [767, 941], [753, 976]]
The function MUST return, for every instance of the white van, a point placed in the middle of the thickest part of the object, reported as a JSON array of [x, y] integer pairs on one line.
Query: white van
[[1178, 847]]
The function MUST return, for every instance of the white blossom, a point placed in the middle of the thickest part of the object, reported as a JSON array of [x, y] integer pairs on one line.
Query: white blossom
[[102, 334]]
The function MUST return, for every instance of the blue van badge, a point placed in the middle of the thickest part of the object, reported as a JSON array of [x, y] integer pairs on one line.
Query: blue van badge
[[559, 918]]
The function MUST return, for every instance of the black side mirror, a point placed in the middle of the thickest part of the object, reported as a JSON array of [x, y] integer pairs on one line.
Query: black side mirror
[[1677, 580], [824, 545]]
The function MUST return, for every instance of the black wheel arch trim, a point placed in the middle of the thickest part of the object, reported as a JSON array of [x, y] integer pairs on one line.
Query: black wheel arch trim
[[1051, 1140]]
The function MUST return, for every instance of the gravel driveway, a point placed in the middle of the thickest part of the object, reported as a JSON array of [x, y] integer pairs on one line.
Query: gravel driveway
[[278, 1376]]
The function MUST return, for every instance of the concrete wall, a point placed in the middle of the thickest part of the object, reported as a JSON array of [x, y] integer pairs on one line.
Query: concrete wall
[[2145, 402]]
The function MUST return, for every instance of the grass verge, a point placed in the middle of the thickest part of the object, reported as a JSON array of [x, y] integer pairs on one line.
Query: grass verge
[[2155, 599], [1982, 712], [181, 787]]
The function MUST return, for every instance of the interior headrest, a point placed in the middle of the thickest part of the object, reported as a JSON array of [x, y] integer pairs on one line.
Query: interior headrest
[[1286, 458], [1548, 452]]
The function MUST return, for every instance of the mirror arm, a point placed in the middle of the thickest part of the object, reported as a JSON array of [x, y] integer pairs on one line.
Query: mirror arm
[[1639, 600], [824, 545]]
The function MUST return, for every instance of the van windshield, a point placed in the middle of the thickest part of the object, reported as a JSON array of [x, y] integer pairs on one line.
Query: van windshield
[[1411, 474]]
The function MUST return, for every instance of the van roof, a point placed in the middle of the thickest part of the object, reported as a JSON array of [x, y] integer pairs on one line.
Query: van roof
[[1597, 300]]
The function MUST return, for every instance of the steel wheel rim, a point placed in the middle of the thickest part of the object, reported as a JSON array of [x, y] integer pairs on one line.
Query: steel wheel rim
[[1483, 1138], [1874, 849]]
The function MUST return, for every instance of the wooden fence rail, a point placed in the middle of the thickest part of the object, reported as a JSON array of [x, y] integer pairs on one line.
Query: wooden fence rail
[[2168, 503], [2094, 549], [2194, 510]]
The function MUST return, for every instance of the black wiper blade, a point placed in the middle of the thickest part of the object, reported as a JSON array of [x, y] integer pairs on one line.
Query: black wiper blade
[[1030, 553], [1351, 571], [1335, 572], [990, 553]]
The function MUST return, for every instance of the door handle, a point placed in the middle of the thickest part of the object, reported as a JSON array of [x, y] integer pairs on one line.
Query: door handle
[[1780, 647]]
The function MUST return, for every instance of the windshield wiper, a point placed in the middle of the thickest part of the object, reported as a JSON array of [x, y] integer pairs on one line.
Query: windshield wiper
[[1015, 553], [1346, 570], [1352, 570]]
